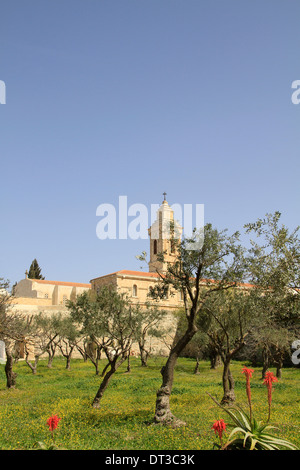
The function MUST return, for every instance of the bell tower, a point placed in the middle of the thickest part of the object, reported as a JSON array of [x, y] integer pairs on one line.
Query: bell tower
[[162, 233]]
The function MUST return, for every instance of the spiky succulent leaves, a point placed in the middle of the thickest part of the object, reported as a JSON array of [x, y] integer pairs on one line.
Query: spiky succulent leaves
[[256, 436]]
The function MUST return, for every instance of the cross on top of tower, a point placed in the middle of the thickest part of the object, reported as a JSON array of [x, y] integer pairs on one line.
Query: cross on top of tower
[[164, 195]]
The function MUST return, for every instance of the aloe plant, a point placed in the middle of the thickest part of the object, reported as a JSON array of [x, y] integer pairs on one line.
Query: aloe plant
[[255, 435]]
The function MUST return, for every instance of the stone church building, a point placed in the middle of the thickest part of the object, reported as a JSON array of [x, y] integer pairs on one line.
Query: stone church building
[[32, 296], [136, 284]]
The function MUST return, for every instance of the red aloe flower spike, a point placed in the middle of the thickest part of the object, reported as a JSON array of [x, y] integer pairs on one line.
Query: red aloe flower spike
[[268, 381], [248, 372], [219, 427], [53, 423]]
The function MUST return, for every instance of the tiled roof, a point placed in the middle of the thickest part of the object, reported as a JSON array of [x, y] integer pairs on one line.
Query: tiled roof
[[155, 275], [61, 283], [130, 273], [137, 273]]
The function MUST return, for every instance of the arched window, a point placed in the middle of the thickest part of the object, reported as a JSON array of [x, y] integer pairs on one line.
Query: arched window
[[134, 290], [155, 247], [165, 293]]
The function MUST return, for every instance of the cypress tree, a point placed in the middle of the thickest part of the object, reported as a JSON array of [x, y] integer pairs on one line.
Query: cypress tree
[[35, 271]]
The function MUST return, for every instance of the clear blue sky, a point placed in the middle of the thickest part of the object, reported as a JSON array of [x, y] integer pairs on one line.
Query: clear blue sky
[[135, 97]]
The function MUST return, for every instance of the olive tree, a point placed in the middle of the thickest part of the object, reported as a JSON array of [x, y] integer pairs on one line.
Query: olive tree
[[229, 318], [206, 264], [110, 318], [68, 336], [149, 325], [42, 332], [12, 329], [274, 264]]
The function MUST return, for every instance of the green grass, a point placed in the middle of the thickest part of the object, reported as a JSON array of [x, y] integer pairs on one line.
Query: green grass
[[128, 406]]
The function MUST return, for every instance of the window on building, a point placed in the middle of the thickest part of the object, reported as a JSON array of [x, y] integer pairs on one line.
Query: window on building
[[151, 292], [155, 247], [134, 290], [166, 293], [46, 296], [65, 299]]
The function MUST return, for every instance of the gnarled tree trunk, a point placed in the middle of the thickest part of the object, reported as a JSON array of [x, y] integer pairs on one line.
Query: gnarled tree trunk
[[144, 354], [215, 361], [10, 374], [196, 370], [114, 365], [33, 367], [228, 384], [163, 413]]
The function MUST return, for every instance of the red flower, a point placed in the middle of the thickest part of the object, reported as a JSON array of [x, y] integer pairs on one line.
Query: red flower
[[248, 372], [53, 422], [219, 426], [269, 379]]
